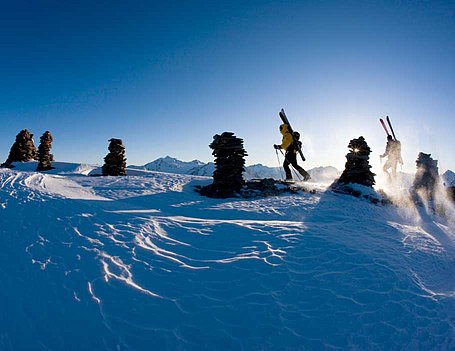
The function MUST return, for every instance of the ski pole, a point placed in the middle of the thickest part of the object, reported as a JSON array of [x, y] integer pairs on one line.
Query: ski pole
[[279, 164], [296, 173]]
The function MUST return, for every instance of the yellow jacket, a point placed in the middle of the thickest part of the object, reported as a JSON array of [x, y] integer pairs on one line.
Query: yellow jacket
[[287, 137]]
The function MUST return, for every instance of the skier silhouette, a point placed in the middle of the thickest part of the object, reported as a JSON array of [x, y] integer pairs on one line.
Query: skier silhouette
[[290, 157], [393, 153]]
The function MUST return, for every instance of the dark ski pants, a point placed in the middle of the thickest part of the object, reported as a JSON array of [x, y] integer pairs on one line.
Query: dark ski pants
[[291, 158]]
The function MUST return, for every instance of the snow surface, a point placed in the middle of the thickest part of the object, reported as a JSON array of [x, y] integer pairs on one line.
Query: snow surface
[[143, 262]]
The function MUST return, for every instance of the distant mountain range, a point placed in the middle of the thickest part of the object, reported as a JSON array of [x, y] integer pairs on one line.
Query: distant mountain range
[[319, 174], [173, 165], [196, 167]]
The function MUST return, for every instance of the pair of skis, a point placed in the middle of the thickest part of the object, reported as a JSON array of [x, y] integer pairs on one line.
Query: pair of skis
[[385, 127], [285, 120]]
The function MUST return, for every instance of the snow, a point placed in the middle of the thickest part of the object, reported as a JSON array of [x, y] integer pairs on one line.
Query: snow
[[59, 167], [143, 262]]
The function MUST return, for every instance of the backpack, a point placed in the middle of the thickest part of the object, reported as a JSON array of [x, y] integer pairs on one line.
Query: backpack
[[396, 148], [296, 141]]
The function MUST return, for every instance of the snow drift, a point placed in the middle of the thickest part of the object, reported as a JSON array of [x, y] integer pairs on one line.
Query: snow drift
[[142, 262]]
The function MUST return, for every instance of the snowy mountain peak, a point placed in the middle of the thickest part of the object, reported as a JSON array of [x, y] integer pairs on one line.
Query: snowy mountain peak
[[168, 158], [172, 165]]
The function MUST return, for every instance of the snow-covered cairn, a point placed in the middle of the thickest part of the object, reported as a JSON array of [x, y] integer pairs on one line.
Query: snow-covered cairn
[[357, 168], [229, 166], [115, 161], [23, 149], [427, 176], [45, 157]]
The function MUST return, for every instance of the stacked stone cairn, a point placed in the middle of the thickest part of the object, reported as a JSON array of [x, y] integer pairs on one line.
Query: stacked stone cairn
[[229, 166], [357, 168], [44, 152], [427, 176], [451, 193], [23, 149], [115, 161]]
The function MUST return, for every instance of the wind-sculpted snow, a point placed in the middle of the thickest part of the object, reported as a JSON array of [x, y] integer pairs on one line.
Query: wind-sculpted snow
[[143, 262]]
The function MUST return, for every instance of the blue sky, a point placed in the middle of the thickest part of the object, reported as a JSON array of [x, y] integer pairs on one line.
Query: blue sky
[[166, 76]]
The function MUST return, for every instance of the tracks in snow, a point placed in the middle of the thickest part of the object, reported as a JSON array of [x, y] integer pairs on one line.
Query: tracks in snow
[[186, 273]]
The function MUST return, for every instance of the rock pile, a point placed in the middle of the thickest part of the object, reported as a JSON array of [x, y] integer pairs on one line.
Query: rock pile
[[45, 157], [259, 188], [357, 168], [115, 161], [23, 149], [427, 176], [229, 166], [451, 193]]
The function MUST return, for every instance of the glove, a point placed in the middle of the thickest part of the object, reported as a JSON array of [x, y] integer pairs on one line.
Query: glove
[[277, 147]]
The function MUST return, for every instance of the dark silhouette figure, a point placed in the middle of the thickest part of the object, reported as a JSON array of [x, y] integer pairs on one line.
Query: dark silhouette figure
[[393, 153]]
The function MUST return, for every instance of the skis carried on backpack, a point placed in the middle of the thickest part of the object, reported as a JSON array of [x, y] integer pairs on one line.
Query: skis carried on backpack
[[391, 129], [285, 120], [385, 127], [396, 143]]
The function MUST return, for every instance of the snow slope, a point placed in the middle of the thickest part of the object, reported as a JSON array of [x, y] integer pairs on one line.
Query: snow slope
[[64, 168], [143, 262]]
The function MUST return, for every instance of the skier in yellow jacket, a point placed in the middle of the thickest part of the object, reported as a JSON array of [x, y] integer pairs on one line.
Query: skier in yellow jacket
[[290, 157]]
